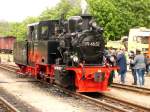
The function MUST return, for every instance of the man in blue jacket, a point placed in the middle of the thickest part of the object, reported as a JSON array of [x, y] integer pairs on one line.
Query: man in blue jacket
[[122, 63]]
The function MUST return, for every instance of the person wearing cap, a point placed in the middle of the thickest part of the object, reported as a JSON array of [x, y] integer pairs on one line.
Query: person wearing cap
[[139, 66]]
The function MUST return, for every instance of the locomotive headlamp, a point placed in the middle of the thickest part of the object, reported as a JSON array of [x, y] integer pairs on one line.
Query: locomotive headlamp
[[94, 24], [75, 59]]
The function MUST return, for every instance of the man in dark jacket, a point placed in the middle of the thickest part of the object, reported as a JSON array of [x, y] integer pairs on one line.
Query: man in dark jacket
[[122, 63], [131, 57]]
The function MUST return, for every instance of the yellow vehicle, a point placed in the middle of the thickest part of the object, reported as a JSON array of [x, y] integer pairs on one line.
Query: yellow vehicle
[[138, 39]]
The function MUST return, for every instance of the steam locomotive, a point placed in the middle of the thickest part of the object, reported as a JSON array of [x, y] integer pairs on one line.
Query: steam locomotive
[[69, 53]]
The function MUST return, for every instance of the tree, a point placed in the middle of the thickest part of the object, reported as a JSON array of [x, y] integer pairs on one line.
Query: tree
[[19, 30], [4, 27], [118, 16]]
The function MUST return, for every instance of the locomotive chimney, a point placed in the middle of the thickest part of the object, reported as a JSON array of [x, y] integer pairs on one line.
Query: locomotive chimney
[[85, 21]]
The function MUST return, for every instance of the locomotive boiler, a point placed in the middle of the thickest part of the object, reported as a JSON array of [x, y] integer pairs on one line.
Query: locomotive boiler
[[69, 53]]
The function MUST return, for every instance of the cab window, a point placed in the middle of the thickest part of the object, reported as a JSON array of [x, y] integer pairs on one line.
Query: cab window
[[44, 32]]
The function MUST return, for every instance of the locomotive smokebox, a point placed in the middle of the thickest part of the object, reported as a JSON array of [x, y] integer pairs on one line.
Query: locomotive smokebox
[[74, 24]]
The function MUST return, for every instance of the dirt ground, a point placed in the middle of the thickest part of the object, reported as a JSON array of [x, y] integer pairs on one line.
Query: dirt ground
[[41, 97]]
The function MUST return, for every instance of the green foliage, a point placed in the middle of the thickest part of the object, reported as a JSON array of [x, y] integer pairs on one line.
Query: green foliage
[[4, 27], [66, 7], [16, 29], [118, 16]]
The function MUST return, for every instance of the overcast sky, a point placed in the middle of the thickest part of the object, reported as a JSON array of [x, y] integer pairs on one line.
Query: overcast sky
[[18, 10]]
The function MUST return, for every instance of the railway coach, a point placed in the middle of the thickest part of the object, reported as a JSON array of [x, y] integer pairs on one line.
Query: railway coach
[[6, 44]]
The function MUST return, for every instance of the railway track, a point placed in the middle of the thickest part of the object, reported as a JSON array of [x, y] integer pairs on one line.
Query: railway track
[[141, 90], [107, 102], [6, 106], [11, 68], [12, 101]]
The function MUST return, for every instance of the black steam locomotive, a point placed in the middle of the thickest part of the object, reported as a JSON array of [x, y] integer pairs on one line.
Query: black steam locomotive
[[69, 53]]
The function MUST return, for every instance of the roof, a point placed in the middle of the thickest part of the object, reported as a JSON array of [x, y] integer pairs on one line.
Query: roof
[[33, 24], [7, 37], [143, 34]]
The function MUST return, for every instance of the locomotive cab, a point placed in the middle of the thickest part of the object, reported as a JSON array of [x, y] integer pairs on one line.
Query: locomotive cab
[[42, 43], [43, 30]]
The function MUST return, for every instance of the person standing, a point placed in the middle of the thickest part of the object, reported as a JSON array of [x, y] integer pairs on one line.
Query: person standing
[[140, 66], [131, 57], [147, 64], [122, 63], [111, 59]]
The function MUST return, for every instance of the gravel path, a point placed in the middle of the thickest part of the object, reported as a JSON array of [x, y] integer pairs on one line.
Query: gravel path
[[43, 97], [16, 102]]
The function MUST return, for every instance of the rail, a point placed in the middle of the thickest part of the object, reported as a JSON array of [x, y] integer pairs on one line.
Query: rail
[[140, 90], [7, 105]]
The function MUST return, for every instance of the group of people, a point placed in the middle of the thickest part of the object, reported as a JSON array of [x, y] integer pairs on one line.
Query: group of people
[[137, 64]]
